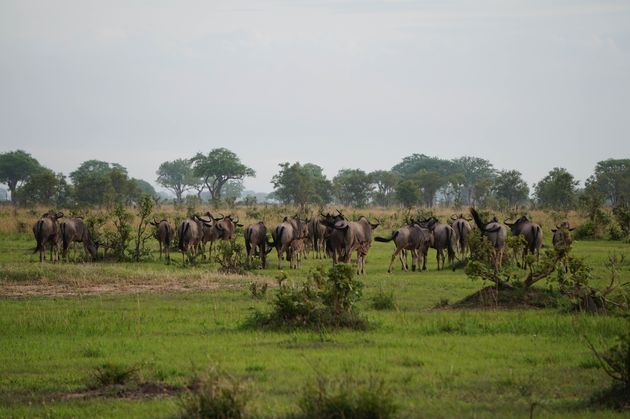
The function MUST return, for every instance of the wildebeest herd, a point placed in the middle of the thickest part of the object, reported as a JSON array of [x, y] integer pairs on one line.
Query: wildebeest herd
[[326, 235]]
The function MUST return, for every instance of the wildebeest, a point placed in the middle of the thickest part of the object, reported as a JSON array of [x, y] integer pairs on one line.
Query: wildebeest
[[296, 251], [291, 228], [164, 235], [531, 232], [411, 237], [211, 232], [348, 236], [443, 239], [75, 230], [495, 233], [46, 230], [462, 229], [256, 242], [189, 235], [317, 236]]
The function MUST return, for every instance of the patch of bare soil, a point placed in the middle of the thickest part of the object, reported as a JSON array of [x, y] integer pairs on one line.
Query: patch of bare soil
[[508, 298], [141, 391], [52, 289]]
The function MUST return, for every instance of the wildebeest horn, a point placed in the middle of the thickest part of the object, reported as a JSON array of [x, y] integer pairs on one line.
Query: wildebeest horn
[[222, 217], [454, 217], [235, 221], [59, 214]]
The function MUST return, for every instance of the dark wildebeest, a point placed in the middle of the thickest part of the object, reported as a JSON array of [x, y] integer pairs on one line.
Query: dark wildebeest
[[46, 230], [349, 236], [290, 229], [164, 235], [317, 236], [495, 233], [462, 228], [532, 233], [443, 238], [562, 240], [256, 242], [411, 237], [189, 235], [211, 232], [227, 227], [75, 230]]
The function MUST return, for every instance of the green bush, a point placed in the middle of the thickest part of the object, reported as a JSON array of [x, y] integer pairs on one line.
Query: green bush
[[347, 398], [325, 300], [215, 394], [110, 374], [383, 300], [231, 258]]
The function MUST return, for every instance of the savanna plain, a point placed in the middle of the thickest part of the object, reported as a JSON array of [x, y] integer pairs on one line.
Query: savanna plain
[[60, 323]]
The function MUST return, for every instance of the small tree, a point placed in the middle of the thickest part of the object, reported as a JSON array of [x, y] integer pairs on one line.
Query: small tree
[[144, 210], [177, 176], [15, 168], [557, 190], [217, 168], [352, 187]]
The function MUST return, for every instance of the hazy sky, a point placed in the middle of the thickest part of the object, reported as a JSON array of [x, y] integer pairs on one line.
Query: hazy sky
[[343, 84]]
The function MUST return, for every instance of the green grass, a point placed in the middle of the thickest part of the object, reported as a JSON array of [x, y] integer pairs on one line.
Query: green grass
[[439, 363]]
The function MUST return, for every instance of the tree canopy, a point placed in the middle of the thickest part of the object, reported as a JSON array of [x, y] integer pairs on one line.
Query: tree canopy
[[352, 187], [15, 168], [301, 184], [218, 167], [557, 190], [177, 176]]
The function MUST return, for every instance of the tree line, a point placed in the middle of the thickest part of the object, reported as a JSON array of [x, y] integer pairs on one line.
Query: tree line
[[418, 180]]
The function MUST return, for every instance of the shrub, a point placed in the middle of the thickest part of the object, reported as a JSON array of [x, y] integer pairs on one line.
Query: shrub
[[325, 300], [215, 394], [383, 300], [110, 374], [258, 292], [232, 258], [346, 398], [616, 363]]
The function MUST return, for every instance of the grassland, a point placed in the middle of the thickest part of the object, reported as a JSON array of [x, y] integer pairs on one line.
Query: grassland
[[59, 322]]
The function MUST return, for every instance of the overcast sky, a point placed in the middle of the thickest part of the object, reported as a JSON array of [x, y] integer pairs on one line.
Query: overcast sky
[[343, 84]]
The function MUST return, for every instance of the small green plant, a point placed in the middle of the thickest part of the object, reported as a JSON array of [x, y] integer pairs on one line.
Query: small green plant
[[616, 364], [383, 300], [215, 394], [258, 292], [347, 397], [231, 258], [144, 210], [110, 374], [119, 239]]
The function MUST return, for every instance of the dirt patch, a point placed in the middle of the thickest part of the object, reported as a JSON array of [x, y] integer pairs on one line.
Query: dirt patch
[[141, 391], [508, 298], [32, 289]]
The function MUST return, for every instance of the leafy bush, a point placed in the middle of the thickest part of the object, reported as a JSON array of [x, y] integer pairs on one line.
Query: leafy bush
[[325, 300], [346, 398], [587, 230], [232, 258], [215, 394], [616, 363], [258, 292], [110, 374], [383, 300]]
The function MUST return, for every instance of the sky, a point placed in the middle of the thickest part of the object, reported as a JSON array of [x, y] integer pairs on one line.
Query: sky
[[528, 85]]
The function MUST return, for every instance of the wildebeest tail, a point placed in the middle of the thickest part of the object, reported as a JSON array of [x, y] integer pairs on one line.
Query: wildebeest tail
[[39, 235], [386, 239], [64, 237], [167, 236], [477, 219], [532, 245], [460, 233], [449, 244], [182, 231]]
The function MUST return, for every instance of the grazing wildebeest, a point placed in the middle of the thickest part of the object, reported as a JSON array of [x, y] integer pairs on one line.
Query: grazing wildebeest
[[256, 242], [443, 238], [532, 233], [462, 228], [227, 226], [46, 230], [189, 234], [349, 236], [317, 236], [75, 230], [164, 235], [495, 233], [562, 240], [411, 237], [290, 229]]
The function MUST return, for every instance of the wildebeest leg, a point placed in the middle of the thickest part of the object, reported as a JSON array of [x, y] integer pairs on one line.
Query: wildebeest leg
[[160, 249], [391, 262], [414, 259]]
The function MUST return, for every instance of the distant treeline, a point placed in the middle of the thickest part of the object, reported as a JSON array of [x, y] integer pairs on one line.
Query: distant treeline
[[418, 180]]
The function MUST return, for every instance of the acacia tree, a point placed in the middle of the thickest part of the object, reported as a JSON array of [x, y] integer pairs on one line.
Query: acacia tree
[[385, 183], [177, 176], [352, 187], [510, 186], [301, 184], [557, 190], [15, 168], [217, 168]]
